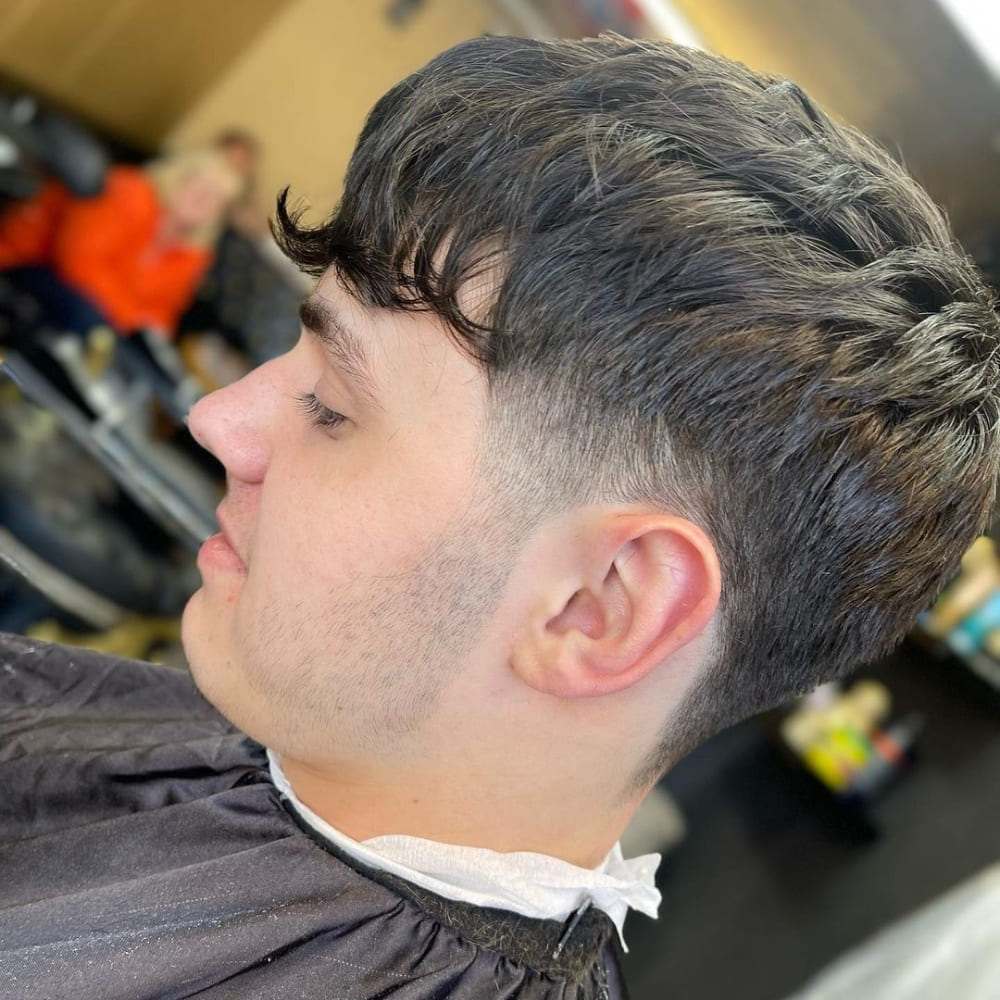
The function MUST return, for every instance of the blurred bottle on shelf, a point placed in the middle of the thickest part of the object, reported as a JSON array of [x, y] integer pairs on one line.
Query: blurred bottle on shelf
[[841, 737], [965, 619], [978, 580]]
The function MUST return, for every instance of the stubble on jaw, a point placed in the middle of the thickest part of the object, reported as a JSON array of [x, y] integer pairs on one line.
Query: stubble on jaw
[[368, 663]]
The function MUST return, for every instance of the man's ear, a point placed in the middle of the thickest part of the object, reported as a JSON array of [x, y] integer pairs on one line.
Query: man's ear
[[638, 587]]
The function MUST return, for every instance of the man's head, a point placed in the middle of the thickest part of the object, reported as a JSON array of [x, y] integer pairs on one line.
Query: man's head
[[638, 321], [242, 151]]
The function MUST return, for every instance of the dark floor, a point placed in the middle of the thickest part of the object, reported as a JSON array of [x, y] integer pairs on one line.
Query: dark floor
[[773, 881]]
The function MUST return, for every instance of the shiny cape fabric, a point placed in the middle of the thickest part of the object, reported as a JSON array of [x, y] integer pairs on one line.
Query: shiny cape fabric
[[144, 852]]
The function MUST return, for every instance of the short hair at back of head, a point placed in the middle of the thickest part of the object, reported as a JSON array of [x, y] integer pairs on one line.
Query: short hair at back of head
[[710, 298]]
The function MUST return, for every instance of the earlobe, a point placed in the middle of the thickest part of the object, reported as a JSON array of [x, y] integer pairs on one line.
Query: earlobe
[[652, 586]]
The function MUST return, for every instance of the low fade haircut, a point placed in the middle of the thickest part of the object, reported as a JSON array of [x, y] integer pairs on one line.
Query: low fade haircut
[[708, 297]]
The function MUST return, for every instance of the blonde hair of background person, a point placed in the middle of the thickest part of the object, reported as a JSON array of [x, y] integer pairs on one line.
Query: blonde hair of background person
[[176, 174]]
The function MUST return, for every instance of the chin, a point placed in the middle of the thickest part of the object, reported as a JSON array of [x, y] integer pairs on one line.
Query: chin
[[208, 671], [212, 667], [201, 646], [191, 624]]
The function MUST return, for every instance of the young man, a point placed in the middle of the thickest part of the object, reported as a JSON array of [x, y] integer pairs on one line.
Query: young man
[[635, 396]]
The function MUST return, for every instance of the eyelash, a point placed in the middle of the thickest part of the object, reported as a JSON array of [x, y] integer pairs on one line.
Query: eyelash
[[320, 415]]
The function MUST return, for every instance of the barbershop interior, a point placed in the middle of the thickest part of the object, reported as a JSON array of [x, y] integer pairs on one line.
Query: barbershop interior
[[843, 844]]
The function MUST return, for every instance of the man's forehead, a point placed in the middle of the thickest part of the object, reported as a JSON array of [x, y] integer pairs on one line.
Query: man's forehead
[[382, 350]]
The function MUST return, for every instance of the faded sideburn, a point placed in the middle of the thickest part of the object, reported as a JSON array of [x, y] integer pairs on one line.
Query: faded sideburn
[[711, 298]]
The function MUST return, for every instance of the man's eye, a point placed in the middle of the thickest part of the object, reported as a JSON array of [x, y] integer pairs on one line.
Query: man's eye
[[320, 415]]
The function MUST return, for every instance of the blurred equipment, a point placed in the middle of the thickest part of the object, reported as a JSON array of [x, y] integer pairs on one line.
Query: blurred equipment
[[135, 636], [581, 18], [95, 513], [845, 740], [110, 416], [37, 144], [965, 620]]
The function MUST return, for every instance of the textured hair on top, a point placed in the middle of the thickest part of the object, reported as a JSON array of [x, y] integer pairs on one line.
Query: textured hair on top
[[708, 297]]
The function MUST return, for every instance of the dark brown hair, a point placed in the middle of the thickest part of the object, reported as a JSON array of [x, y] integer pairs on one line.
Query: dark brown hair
[[710, 297]]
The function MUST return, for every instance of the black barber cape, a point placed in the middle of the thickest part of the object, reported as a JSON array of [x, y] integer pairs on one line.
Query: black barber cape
[[145, 852]]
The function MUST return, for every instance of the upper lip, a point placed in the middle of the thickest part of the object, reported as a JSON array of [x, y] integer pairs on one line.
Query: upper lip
[[223, 520]]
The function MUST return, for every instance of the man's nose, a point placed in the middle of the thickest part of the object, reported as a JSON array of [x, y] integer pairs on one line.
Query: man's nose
[[231, 424]]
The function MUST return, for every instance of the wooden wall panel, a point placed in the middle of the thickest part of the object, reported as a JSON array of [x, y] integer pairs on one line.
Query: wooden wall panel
[[306, 86], [131, 66]]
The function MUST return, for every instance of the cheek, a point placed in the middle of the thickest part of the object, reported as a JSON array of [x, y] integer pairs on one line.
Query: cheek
[[373, 513], [337, 515], [312, 541]]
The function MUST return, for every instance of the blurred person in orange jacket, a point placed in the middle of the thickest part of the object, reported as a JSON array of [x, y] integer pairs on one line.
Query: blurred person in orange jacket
[[130, 258]]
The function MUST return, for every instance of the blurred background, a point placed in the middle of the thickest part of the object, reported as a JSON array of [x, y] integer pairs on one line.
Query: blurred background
[[142, 144]]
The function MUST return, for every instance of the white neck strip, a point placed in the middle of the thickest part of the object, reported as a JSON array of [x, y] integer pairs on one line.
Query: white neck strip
[[534, 885]]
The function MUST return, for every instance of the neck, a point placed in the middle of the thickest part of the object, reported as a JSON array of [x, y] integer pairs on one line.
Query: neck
[[459, 807]]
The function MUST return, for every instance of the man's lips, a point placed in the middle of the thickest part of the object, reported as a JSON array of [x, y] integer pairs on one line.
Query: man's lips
[[217, 555]]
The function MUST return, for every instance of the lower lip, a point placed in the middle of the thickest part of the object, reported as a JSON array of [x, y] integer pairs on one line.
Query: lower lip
[[217, 553]]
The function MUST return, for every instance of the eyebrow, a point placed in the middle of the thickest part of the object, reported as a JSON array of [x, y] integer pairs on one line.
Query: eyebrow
[[318, 317]]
